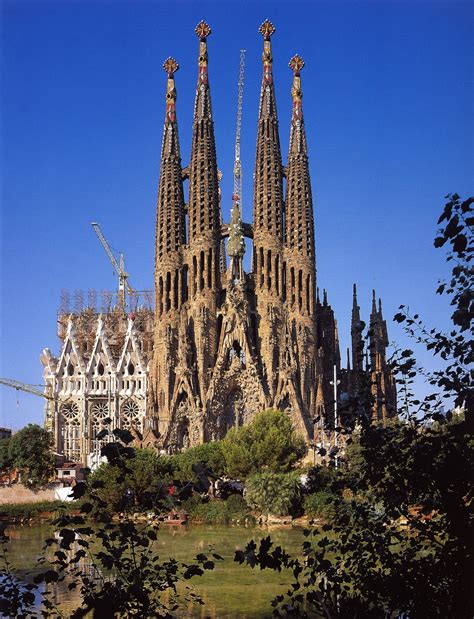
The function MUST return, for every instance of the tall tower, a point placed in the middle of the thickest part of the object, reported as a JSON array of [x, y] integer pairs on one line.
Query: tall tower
[[299, 254], [356, 339], [382, 380], [170, 240], [204, 223], [268, 221]]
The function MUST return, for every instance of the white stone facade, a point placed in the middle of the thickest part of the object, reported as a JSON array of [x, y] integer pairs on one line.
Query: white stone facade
[[101, 373]]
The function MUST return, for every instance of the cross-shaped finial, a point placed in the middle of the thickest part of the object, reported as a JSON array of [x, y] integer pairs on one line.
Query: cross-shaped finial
[[170, 66], [296, 64], [267, 29], [203, 30]]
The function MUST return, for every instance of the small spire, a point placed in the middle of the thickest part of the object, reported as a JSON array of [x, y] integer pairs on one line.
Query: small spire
[[354, 294], [374, 303], [170, 67], [325, 296], [296, 64], [348, 359], [380, 307], [203, 30], [317, 294], [267, 29]]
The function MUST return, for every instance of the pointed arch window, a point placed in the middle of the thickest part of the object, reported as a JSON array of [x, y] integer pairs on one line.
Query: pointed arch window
[[70, 428]]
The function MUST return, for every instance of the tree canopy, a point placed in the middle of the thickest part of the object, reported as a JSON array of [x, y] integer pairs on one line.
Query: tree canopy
[[268, 443]]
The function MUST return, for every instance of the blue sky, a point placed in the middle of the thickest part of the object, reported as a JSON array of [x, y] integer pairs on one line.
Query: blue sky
[[387, 104]]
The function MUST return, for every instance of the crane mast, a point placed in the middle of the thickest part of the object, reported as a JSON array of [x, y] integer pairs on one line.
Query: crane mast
[[237, 197], [124, 285]]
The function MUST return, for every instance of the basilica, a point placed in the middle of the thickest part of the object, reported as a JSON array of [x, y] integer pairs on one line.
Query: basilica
[[219, 344]]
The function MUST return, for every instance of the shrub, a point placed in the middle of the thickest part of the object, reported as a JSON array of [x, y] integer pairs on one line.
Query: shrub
[[217, 512], [321, 505], [30, 510], [269, 442], [272, 493]]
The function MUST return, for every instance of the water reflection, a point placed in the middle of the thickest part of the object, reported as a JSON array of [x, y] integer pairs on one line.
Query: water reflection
[[229, 591]]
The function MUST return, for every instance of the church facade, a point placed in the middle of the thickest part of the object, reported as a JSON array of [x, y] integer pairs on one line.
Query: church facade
[[221, 344]]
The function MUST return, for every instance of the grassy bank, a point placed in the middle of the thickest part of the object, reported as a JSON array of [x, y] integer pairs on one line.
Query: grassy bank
[[34, 511]]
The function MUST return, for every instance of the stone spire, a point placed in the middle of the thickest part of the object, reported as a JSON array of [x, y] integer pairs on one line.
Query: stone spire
[[169, 248], [268, 269], [268, 187], [356, 335], [170, 222], [299, 205], [383, 384], [204, 239], [204, 210]]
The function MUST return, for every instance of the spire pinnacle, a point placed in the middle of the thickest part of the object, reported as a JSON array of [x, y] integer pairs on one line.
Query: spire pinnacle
[[380, 307], [203, 30], [170, 67], [374, 303], [266, 30], [354, 293]]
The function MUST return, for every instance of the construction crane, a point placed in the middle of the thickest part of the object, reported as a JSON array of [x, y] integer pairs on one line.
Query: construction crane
[[124, 285], [19, 386], [237, 197]]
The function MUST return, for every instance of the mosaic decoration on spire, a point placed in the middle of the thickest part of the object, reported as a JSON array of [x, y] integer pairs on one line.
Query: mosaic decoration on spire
[[202, 30], [170, 66], [266, 30], [296, 64]]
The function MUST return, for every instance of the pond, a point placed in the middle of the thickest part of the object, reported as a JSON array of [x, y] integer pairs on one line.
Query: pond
[[229, 591]]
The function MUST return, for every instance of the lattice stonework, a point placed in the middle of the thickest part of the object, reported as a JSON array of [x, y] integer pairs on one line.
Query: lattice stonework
[[130, 415], [99, 412], [71, 431]]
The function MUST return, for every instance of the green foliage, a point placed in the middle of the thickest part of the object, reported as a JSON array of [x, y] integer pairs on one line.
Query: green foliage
[[321, 505], [320, 477], [137, 486], [31, 510], [268, 443], [232, 509], [31, 450], [405, 544], [272, 493], [5, 456], [210, 454]]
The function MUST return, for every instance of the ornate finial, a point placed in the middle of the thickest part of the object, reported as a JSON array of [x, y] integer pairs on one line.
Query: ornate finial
[[203, 30], [170, 66], [296, 64], [267, 29]]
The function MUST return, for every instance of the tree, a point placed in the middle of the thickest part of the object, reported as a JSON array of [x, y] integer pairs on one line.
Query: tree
[[405, 546], [31, 450], [5, 457], [209, 454], [145, 479], [268, 443]]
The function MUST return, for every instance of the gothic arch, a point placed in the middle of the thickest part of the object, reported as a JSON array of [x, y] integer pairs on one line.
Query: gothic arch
[[70, 424]]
